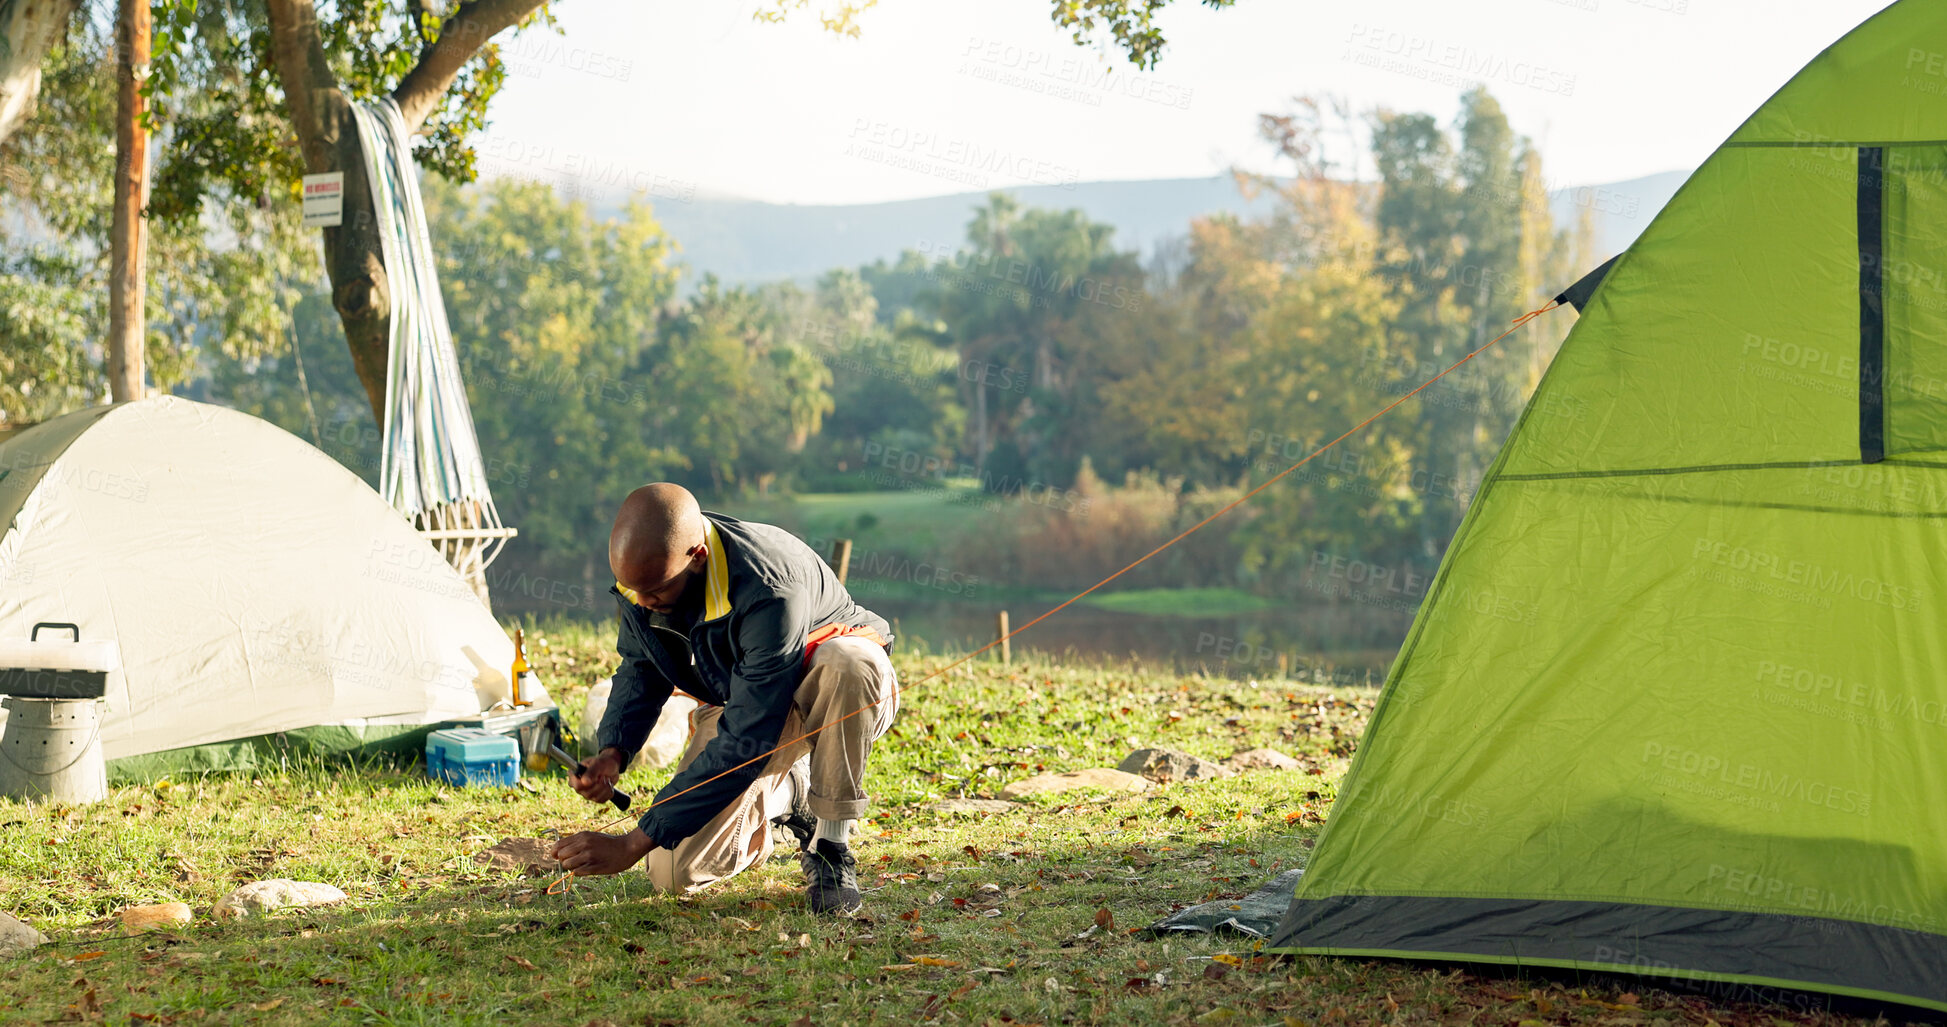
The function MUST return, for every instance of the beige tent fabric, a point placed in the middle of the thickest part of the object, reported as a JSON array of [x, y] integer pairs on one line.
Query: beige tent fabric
[[250, 583]]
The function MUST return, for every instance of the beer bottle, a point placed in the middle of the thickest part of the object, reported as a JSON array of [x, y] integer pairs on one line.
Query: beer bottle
[[521, 675]]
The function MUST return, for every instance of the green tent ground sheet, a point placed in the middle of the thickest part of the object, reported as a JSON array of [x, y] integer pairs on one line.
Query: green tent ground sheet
[[265, 752]]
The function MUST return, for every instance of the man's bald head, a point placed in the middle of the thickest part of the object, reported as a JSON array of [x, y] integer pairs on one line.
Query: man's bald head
[[657, 543]]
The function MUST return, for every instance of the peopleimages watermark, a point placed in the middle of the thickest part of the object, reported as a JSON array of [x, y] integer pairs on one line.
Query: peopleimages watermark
[[57, 474], [507, 376], [1716, 776], [1063, 75], [575, 595], [1449, 64], [352, 661], [529, 54], [1709, 986], [1231, 651], [413, 563], [950, 157], [1514, 193], [1458, 810], [1837, 371], [1832, 695], [906, 361], [1027, 274], [1772, 891], [1361, 581], [1351, 470], [1754, 569], [870, 571], [577, 172], [912, 463]]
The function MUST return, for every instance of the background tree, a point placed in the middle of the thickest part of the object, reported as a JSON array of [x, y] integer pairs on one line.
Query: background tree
[[895, 376], [1026, 302], [233, 82], [28, 30], [222, 279], [127, 256], [1466, 255]]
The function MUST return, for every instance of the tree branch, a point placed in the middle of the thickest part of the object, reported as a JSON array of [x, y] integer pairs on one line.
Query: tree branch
[[460, 37], [311, 92]]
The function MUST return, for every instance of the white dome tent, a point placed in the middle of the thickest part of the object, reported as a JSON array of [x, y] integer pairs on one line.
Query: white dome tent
[[251, 584]]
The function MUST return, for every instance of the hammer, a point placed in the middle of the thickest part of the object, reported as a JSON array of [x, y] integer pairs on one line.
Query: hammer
[[616, 795]]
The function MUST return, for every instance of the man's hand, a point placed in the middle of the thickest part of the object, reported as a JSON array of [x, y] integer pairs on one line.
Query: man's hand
[[597, 780], [593, 854]]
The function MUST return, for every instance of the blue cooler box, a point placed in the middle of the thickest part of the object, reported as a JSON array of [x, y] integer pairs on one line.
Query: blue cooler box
[[470, 756]]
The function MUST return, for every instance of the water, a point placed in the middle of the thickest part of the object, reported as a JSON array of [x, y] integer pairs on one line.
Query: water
[[1346, 643]]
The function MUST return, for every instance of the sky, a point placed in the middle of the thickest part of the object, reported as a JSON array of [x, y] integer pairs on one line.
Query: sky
[[695, 98]]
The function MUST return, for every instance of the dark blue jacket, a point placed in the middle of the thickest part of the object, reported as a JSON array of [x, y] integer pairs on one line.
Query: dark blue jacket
[[764, 592]]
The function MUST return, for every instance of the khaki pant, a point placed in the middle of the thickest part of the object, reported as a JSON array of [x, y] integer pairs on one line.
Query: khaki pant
[[846, 674]]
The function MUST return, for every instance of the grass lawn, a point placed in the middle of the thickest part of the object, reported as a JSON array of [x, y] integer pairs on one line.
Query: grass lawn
[[969, 919]]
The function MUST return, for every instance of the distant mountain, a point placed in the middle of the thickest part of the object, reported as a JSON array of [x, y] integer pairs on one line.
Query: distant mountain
[[747, 241], [1619, 211]]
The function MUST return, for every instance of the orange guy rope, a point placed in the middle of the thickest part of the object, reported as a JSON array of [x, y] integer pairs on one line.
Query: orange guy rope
[[1185, 533]]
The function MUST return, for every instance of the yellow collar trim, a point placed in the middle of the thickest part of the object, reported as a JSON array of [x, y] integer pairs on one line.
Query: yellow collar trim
[[716, 575]]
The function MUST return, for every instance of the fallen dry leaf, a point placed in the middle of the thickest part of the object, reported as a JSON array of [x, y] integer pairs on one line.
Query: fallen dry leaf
[[521, 961], [1105, 919]]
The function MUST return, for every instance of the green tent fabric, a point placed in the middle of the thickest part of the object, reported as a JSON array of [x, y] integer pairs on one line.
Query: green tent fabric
[[1676, 702]]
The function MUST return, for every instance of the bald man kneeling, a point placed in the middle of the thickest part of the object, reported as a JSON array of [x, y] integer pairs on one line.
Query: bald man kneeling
[[751, 623]]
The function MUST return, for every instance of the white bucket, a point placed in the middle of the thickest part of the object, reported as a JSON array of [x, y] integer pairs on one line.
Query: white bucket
[[51, 750]]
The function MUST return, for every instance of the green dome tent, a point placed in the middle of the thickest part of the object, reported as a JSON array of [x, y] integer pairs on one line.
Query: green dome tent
[[1676, 702]]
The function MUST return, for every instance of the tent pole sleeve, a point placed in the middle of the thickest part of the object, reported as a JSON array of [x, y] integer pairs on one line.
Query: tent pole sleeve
[[1872, 307]]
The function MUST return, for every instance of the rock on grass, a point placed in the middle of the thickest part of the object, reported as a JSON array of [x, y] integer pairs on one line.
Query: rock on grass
[[16, 937], [970, 806], [158, 916], [1097, 777], [280, 893], [1166, 765]]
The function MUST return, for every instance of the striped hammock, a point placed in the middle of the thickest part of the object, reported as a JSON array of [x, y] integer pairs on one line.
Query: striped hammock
[[430, 468]]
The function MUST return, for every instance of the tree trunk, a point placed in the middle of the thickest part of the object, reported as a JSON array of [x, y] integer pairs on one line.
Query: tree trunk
[[28, 29], [126, 325], [328, 135]]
